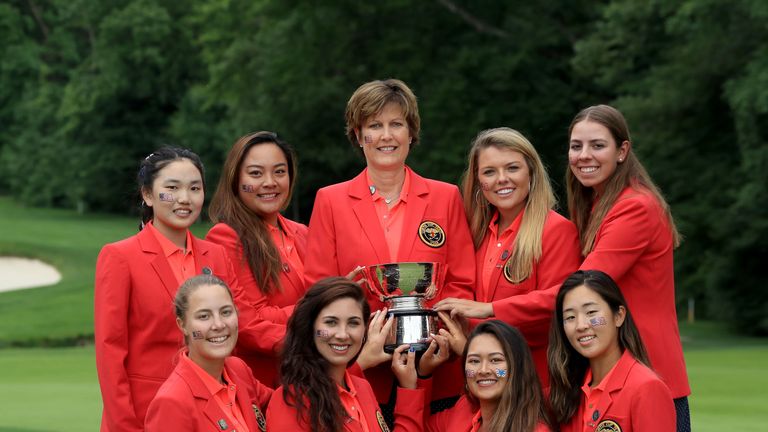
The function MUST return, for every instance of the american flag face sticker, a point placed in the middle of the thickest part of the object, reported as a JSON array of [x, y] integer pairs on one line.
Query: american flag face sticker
[[167, 197], [597, 321], [323, 334]]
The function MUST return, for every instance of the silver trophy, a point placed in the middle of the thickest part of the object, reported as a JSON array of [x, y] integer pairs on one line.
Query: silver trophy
[[404, 287]]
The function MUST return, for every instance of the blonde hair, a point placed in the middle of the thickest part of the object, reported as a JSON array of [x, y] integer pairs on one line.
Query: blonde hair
[[370, 99], [628, 173], [527, 246]]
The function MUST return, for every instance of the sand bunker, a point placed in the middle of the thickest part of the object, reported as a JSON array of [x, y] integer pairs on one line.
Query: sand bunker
[[20, 273]]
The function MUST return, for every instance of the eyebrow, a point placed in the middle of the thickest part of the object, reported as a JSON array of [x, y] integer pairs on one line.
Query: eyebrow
[[490, 354], [591, 303], [173, 180], [262, 166]]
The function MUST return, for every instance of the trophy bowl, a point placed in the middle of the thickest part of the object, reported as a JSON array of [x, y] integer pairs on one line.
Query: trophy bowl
[[404, 288]]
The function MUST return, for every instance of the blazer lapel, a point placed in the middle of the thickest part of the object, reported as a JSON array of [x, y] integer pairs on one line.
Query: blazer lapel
[[249, 406], [212, 410], [615, 383], [418, 197], [506, 252], [159, 262], [200, 252], [367, 217]]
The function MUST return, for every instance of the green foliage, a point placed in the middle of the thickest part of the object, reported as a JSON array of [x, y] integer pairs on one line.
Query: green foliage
[[690, 77]]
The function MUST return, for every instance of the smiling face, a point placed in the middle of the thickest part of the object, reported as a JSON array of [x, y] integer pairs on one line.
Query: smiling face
[[385, 138], [339, 330], [176, 196], [504, 178], [209, 325], [593, 154], [264, 181], [590, 325], [486, 368]]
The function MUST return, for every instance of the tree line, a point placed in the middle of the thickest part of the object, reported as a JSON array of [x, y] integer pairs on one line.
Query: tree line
[[88, 88]]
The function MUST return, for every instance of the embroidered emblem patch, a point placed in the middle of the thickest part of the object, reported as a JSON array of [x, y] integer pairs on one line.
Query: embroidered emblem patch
[[608, 426], [507, 270], [382, 423], [431, 234], [260, 420]]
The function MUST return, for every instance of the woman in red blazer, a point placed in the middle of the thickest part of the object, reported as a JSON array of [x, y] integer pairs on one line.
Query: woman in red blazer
[[266, 249], [524, 249], [389, 213], [208, 390], [600, 379], [503, 392], [627, 230], [136, 280], [325, 335]]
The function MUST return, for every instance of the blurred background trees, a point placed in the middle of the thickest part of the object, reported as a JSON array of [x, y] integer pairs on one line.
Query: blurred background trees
[[88, 88]]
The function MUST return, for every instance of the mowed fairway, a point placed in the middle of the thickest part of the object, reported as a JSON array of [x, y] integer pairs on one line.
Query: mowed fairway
[[49, 389]]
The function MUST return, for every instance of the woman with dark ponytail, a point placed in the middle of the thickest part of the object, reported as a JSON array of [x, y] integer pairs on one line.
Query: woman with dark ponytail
[[136, 281]]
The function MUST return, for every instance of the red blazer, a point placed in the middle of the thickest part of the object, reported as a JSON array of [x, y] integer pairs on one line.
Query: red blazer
[[409, 411], [529, 304], [345, 232], [258, 348], [459, 418], [634, 398], [184, 403], [135, 328], [634, 246]]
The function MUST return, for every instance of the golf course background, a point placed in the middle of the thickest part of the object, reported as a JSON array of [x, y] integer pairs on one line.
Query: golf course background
[[47, 369]]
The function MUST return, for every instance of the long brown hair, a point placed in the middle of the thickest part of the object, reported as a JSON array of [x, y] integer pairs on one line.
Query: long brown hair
[[567, 367], [527, 245], [628, 173], [307, 386], [259, 251], [521, 407]]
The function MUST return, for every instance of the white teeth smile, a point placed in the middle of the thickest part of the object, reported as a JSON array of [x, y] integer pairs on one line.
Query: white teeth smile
[[340, 347], [387, 149], [588, 169], [219, 339], [268, 196], [486, 382], [586, 338], [505, 191], [183, 212]]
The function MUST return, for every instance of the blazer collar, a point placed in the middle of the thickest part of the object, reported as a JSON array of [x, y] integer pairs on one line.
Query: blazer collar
[[212, 410]]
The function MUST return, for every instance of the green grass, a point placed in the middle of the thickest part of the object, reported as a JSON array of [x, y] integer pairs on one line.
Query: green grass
[[728, 376], [49, 389], [63, 313]]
